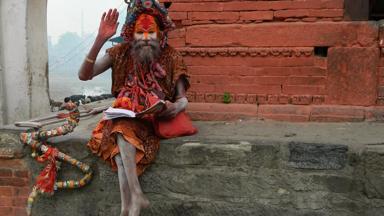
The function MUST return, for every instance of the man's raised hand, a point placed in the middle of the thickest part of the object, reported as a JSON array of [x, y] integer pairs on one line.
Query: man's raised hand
[[108, 24]]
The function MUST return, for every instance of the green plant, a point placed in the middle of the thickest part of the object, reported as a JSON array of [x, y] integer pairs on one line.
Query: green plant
[[226, 97]]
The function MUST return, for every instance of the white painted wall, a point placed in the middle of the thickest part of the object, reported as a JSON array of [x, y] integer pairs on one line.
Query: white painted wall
[[1, 73], [23, 57]]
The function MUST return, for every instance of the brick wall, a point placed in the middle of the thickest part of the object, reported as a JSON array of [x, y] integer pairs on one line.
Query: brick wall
[[14, 187], [265, 52]]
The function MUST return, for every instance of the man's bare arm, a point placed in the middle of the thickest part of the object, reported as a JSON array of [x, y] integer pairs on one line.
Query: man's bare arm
[[90, 67], [88, 70], [172, 109]]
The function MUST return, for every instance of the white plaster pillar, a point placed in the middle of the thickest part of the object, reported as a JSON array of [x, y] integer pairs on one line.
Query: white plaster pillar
[[23, 57], [2, 101], [37, 52]]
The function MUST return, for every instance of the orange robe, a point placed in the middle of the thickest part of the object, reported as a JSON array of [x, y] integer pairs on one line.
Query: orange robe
[[138, 132]]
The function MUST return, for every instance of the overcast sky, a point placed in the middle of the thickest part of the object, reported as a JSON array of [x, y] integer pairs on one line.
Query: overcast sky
[[65, 15]]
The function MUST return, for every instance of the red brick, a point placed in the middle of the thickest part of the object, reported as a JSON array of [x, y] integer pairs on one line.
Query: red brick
[[20, 201], [178, 1], [381, 91], [381, 62], [308, 13], [381, 81], [219, 116], [177, 33], [177, 42], [6, 211], [381, 71], [6, 191], [238, 80], [240, 98], [202, 88], [284, 112], [326, 19], [337, 19], [251, 98], [262, 99], [252, 89], [283, 35], [337, 114], [196, 22], [210, 97], [321, 62], [374, 113], [21, 173], [249, 61], [301, 99], [219, 97], [178, 15], [22, 191], [349, 83], [273, 99], [256, 15], [284, 99], [318, 99], [6, 181], [12, 164], [303, 89], [20, 211], [6, 201], [256, 71], [309, 19], [291, 20], [233, 16], [200, 97], [5, 172], [380, 101], [248, 109], [282, 5], [191, 96], [305, 80], [205, 6]]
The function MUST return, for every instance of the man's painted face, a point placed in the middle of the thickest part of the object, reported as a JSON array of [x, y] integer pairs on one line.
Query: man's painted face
[[146, 28]]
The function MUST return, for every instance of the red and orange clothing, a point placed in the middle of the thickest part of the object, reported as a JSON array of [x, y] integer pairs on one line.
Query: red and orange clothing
[[138, 132]]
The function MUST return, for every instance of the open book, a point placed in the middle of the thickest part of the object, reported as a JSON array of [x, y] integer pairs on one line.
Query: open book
[[112, 113]]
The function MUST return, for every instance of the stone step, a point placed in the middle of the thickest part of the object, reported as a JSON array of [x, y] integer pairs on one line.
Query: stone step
[[232, 173]]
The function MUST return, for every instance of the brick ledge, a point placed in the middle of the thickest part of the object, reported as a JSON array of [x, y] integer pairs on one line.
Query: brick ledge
[[293, 113]]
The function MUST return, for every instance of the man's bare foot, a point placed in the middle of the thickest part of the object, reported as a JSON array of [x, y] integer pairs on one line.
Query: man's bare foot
[[138, 202]]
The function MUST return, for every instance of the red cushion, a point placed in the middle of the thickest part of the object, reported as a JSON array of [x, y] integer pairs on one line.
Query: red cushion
[[179, 126]]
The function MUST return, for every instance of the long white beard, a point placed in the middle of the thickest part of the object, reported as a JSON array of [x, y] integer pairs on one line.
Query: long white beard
[[145, 52]]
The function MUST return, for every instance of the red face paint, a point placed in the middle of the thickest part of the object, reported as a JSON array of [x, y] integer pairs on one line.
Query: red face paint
[[146, 23]]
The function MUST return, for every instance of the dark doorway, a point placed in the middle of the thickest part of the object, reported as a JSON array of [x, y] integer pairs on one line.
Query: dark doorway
[[376, 9], [363, 10]]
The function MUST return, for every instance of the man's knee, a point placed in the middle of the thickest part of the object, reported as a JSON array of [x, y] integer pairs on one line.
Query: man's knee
[[121, 142], [120, 138], [118, 160]]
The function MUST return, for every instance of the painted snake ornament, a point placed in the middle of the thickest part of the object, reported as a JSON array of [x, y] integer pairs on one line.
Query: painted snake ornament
[[46, 182]]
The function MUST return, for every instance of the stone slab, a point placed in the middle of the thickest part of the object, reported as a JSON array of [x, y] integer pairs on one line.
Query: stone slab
[[316, 156]]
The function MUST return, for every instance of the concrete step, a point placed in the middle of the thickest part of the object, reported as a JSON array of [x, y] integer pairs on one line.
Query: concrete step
[[243, 168]]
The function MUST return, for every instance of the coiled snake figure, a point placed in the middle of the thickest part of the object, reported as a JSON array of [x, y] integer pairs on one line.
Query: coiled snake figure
[[36, 138]]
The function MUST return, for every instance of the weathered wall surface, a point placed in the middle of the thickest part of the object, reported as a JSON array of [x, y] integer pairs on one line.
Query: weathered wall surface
[[23, 60], [270, 52]]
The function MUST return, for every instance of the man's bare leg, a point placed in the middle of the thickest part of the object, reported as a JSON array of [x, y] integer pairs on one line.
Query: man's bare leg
[[128, 153], [124, 187]]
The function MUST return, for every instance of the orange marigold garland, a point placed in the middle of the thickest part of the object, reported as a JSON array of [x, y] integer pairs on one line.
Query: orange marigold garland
[[46, 182]]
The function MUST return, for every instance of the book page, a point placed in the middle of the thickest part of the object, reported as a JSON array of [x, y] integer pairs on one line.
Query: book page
[[112, 113], [157, 107]]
